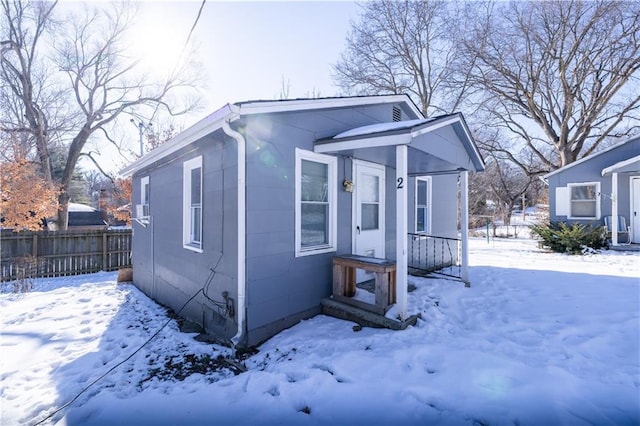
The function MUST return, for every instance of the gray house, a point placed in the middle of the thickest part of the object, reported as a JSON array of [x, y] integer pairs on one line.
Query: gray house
[[247, 210], [605, 185]]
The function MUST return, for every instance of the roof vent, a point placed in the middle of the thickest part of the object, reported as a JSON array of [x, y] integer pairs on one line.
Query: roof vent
[[397, 114]]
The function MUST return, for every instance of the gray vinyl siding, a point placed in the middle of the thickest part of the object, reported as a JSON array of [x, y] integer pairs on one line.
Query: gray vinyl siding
[[444, 206], [282, 288], [179, 272], [444, 202], [591, 171]]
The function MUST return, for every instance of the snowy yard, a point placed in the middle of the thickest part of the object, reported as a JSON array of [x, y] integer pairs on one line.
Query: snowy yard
[[539, 338]]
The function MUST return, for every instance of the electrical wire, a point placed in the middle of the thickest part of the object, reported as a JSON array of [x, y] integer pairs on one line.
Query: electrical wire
[[182, 52], [222, 306], [223, 310], [86, 388]]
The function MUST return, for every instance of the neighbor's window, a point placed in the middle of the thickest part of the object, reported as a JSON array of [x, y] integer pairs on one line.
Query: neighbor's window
[[192, 204], [423, 205], [584, 200], [316, 211], [144, 196]]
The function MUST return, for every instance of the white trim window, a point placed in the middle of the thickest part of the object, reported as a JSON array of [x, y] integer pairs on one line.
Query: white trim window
[[192, 204], [584, 200], [144, 196], [423, 205], [316, 203]]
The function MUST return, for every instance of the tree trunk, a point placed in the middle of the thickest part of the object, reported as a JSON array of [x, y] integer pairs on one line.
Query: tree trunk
[[62, 221]]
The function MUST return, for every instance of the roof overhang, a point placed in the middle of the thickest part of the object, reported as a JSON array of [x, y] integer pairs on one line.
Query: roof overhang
[[589, 157], [231, 112], [436, 145], [629, 165]]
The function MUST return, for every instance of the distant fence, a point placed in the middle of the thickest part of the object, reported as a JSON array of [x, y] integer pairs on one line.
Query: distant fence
[[54, 254]]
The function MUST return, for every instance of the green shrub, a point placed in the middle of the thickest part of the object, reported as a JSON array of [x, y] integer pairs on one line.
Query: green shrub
[[571, 239]]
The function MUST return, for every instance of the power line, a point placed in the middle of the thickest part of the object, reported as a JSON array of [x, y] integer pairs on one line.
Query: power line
[[184, 48], [87, 387]]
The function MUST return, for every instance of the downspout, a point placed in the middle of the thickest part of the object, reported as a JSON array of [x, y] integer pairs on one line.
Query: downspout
[[464, 227], [614, 209], [241, 184]]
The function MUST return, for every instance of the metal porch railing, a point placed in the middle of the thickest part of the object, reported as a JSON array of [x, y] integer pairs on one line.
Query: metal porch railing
[[437, 255]]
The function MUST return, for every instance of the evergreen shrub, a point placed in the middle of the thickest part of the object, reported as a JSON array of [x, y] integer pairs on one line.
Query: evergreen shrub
[[571, 239]]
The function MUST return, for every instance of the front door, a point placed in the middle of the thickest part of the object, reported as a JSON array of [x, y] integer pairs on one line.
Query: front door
[[368, 210], [635, 209]]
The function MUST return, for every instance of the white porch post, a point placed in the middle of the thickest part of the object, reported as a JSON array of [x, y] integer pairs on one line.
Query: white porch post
[[401, 230], [614, 209], [464, 227]]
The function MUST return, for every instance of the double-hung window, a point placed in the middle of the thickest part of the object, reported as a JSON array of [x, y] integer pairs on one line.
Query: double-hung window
[[192, 204], [423, 205], [316, 203], [584, 201]]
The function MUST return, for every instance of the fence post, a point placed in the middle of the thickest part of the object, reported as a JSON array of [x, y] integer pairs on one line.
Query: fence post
[[104, 252], [34, 246]]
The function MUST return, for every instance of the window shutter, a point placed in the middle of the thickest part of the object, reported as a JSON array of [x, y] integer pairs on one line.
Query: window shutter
[[563, 201]]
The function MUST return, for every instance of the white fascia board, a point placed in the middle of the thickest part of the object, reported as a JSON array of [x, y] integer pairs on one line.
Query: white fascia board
[[262, 107], [582, 160], [233, 111], [457, 119], [431, 126], [361, 143], [200, 129], [621, 165]]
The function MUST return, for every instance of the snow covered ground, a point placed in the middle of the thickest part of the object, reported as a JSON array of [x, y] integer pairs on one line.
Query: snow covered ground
[[539, 338]]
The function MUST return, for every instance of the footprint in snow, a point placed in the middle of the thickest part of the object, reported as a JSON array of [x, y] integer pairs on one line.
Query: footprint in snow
[[337, 378]]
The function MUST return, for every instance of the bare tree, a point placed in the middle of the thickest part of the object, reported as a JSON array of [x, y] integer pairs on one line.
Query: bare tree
[[27, 92], [559, 76], [90, 51], [507, 184], [403, 47], [285, 89]]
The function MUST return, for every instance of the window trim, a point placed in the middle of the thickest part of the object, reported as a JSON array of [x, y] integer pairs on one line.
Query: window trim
[[597, 200], [332, 163], [187, 167], [144, 200], [428, 180]]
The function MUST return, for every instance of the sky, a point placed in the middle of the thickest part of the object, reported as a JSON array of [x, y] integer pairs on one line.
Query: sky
[[249, 48]]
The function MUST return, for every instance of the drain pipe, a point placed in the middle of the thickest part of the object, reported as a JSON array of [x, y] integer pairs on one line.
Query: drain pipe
[[241, 226]]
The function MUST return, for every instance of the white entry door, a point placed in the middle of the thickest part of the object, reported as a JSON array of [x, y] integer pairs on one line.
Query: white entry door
[[368, 210], [635, 209]]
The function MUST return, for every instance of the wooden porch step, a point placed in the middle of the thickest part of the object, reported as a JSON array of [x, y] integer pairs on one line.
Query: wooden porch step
[[364, 317]]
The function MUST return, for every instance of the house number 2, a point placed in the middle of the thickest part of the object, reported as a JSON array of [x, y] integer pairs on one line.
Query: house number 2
[[400, 183]]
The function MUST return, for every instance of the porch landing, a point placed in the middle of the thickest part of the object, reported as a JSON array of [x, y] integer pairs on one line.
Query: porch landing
[[625, 247], [363, 317]]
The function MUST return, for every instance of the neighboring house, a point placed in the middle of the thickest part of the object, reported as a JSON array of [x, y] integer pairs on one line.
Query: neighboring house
[[603, 184], [83, 217], [250, 205]]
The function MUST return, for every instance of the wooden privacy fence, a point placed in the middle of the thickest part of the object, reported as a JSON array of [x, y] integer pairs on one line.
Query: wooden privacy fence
[[54, 254]]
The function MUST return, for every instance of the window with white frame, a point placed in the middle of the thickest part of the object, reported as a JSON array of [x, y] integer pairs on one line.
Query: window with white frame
[[316, 206], [584, 200], [423, 205], [192, 204], [144, 196]]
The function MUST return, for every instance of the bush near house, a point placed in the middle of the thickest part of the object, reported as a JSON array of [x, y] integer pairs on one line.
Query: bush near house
[[571, 239]]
